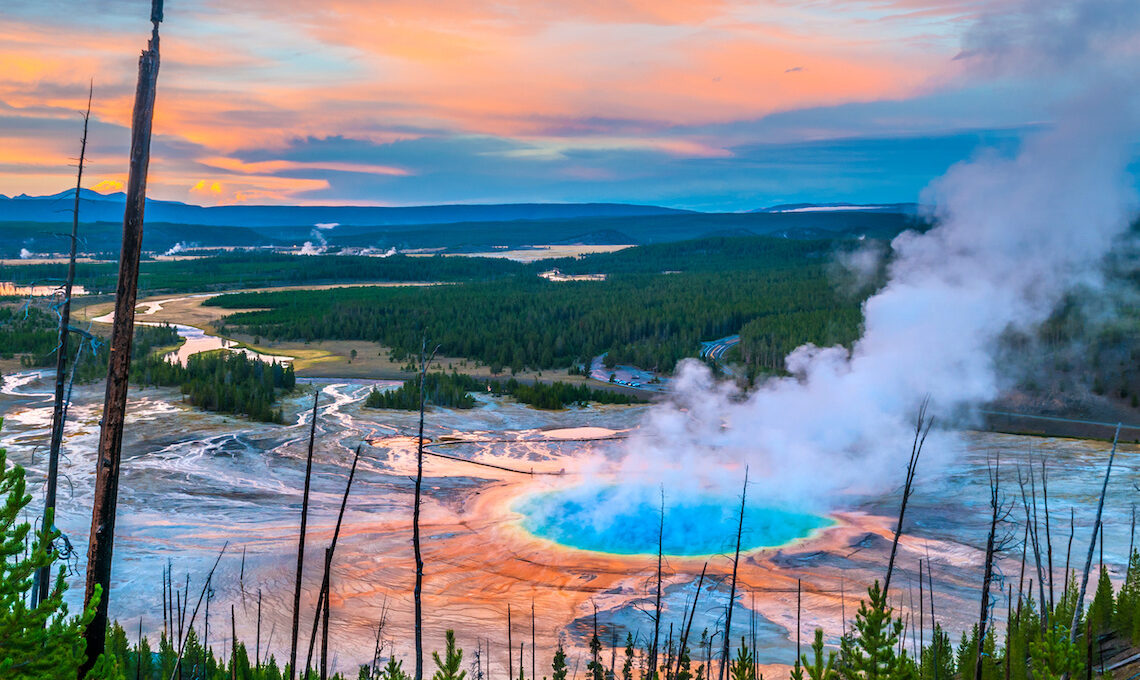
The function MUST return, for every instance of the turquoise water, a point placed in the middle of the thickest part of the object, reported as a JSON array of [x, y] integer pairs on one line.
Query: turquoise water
[[625, 521]]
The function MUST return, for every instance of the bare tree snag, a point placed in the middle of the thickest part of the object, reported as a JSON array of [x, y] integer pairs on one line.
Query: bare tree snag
[[301, 541], [732, 588], [106, 496], [922, 425], [1092, 544], [693, 610], [657, 605], [417, 592], [43, 574]]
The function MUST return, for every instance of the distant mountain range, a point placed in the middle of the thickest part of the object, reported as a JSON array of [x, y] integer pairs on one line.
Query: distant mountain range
[[96, 207], [31, 225]]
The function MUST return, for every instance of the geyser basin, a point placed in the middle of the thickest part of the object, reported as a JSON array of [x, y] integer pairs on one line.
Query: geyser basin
[[625, 521]]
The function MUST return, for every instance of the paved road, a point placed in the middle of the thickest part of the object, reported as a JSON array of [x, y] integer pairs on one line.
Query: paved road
[[716, 349]]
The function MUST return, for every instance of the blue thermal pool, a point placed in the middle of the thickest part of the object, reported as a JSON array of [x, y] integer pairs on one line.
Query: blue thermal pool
[[625, 521]]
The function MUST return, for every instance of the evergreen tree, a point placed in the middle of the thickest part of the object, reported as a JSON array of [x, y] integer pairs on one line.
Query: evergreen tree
[[818, 668], [558, 667], [869, 654], [627, 666], [41, 642], [742, 667], [1101, 610], [448, 667], [1054, 655], [393, 670], [595, 669]]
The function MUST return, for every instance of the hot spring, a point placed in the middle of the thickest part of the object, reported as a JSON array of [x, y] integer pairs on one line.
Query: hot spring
[[625, 521]]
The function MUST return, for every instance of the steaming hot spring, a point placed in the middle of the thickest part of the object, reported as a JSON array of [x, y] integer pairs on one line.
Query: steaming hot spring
[[628, 520]]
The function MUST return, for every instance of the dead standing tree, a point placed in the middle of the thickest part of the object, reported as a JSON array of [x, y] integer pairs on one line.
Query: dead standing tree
[[417, 592], [301, 541], [732, 589], [657, 603], [922, 425], [43, 575], [1073, 629], [999, 513], [102, 535]]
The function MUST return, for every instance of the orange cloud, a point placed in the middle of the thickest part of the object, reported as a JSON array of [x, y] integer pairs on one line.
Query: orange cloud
[[108, 186], [555, 74]]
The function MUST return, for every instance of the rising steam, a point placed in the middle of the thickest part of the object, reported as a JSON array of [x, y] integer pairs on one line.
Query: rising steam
[[1013, 235]]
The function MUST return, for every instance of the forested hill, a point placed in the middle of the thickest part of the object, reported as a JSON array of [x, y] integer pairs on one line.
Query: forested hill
[[472, 230], [655, 308]]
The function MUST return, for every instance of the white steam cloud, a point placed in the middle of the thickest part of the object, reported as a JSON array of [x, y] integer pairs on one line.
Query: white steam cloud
[[317, 248], [25, 254], [1013, 235], [179, 247]]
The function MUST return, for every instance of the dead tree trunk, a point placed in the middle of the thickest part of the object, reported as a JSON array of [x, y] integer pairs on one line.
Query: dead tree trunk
[[301, 541], [693, 611], [106, 496], [511, 647], [533, 660], [732, 588], [233, 644], [987, 574], [418, 590], [326, 578], [922, 427], [1092, 544], [325, 616], [43, 574], [921, 615], [657, 605], [1048, 535]]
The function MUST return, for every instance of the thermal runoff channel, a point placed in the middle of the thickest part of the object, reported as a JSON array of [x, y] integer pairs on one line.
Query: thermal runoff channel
[[701, 524]]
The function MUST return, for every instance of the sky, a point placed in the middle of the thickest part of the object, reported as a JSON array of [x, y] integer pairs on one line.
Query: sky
[[704, 104]]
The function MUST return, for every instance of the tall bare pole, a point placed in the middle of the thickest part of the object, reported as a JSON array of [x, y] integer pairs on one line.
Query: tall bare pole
[[533, 661], [657, 605], [323, 598], [1092, 544], [301, 541], [693, 611], [417, 592], [43, 574], [987, 575], [922, 427], [106, 497], [511, 647], [732, 589], [1048, 533]]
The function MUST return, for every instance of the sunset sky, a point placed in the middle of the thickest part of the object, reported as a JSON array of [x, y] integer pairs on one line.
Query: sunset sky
[[706, 104]]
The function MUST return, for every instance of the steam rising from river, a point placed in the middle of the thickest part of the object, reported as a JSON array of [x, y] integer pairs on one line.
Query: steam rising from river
[[1013, 235]]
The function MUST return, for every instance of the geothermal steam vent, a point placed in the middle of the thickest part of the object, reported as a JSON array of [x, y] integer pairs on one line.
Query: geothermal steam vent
[[625, 521]]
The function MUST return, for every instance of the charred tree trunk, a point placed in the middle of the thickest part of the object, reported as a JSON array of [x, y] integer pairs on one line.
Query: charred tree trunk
[[693, 610], [987, 574], [43, 574], [1092, 544], [657, 605], [301, 541], [417, 592], [732, 588], [922, 427], [511, 648], [106, 496], [1048, 535], [326, 578], [325, 616]]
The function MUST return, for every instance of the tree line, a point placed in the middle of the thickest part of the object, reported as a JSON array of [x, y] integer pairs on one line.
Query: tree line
[[651, 320], [223, 381], [453, 390]]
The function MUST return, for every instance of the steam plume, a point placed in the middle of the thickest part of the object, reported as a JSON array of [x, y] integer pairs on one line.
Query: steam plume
[[1013, 235]]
